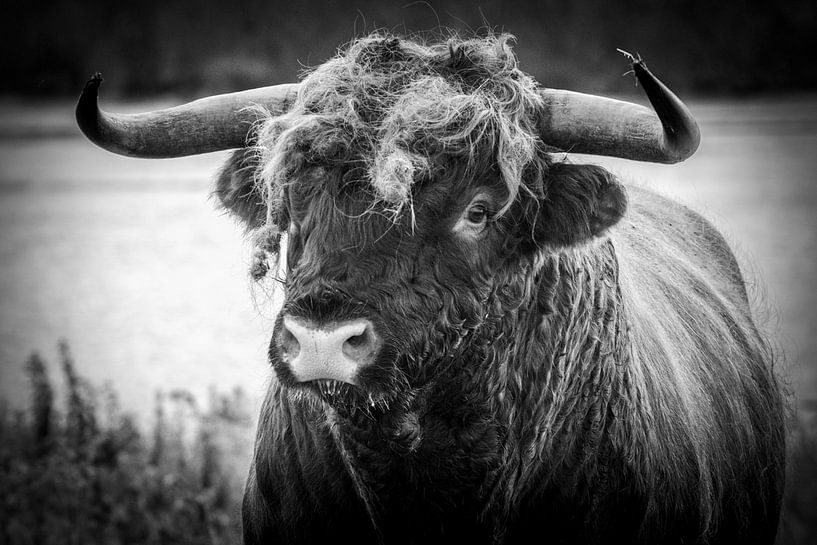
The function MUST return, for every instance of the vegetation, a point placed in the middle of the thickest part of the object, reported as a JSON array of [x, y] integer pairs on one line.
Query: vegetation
[[81, 472], [799, 524]]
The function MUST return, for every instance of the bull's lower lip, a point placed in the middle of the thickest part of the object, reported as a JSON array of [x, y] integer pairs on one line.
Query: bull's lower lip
[[330, 390], [344, 397], [330, 386]]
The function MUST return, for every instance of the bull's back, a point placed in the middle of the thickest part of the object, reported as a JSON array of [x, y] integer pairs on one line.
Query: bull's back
[[658, 230]]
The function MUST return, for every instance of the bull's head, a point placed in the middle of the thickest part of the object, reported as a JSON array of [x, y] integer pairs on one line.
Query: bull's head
[[417, 195]]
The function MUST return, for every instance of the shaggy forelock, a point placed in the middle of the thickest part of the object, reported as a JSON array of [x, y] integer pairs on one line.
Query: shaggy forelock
[[391, 110]]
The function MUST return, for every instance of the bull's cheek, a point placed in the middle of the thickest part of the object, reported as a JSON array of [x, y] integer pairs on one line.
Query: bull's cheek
[[439, 332]]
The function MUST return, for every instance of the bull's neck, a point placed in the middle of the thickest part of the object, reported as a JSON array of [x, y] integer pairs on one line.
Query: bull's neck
[[442, 446], [566, 379]]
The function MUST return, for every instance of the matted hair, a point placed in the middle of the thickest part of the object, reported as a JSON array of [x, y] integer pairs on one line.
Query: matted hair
[[389, 107]]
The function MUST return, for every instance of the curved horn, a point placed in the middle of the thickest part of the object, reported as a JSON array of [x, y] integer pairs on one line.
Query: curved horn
[[579, 123], [209, 124]]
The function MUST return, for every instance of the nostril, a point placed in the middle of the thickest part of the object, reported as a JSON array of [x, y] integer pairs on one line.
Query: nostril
[[360, 347], [289, 343], [356, 340]]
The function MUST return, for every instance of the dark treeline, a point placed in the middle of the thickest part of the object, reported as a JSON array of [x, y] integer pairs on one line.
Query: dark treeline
[[204, 46]]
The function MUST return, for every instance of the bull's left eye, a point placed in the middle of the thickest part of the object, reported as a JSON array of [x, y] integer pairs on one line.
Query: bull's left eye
[[478, 214], [474, 218]]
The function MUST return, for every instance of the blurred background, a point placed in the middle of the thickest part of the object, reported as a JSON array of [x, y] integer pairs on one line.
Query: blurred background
[[132, 342]]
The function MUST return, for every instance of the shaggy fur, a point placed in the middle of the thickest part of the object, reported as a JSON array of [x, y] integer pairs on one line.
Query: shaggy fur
[[585, 369]]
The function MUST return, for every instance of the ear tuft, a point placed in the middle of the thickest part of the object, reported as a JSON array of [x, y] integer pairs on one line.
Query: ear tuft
[[237, 191], [582, 202]]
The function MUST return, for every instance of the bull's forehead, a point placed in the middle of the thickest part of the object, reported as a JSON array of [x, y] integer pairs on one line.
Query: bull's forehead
[[341, 197], [344, 215]]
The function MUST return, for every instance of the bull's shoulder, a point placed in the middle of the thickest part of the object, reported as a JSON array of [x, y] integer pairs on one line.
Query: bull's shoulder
[[693, 349], [661, 235]]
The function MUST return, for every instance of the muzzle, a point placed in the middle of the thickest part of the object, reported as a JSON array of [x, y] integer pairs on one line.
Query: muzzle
[[335, 350]]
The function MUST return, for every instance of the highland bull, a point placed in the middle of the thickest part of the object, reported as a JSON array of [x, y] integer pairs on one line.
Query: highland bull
[[480, 341]]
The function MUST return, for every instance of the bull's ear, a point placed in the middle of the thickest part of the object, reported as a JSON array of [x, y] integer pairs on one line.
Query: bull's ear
[[237, 191], [582, 202]]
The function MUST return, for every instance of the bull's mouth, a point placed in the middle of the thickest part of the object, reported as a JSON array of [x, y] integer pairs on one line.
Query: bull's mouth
[[347, 399], [329, 387], [378, 389]]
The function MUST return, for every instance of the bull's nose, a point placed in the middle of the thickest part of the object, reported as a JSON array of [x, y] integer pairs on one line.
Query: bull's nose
[[335, 351]]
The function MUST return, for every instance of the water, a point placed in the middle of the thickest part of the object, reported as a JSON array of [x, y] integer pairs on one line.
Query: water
[[128, 260]]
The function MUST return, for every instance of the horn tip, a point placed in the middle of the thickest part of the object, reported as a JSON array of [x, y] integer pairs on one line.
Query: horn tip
[[634, 59], [93, 83], [641, 71], [682, 130], [86, 112]]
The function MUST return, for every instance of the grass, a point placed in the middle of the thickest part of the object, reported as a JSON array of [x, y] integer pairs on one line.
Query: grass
[[81, 471], [84, 473]]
